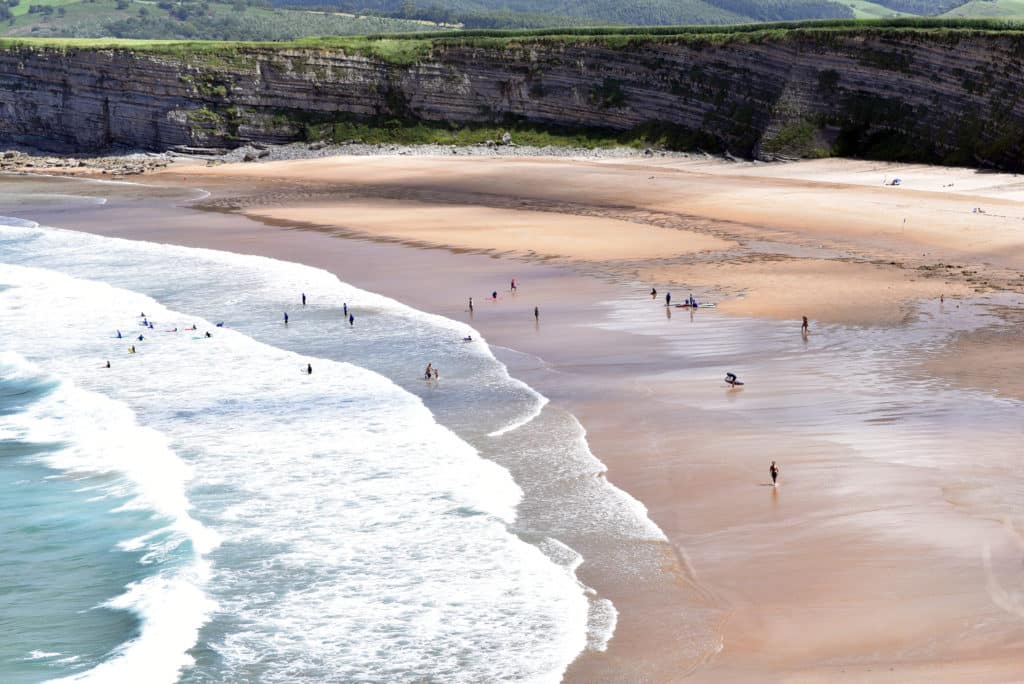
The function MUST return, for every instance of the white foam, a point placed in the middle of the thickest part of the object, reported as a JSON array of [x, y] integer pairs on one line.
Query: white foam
[[357, 525]]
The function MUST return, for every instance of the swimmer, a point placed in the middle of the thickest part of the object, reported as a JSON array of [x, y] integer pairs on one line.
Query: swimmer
[[467, 338], [773, 470], [494, 295], [437, 374], [208, 334], [220, 324], [470, 305], [429, 372]]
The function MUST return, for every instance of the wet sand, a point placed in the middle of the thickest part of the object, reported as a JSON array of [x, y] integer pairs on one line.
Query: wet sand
[[890, 552]]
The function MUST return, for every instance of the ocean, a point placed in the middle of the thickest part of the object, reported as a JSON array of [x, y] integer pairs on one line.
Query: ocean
[[206, 510]]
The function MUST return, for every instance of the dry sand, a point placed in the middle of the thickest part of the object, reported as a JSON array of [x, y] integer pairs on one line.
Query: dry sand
[[859, 571]]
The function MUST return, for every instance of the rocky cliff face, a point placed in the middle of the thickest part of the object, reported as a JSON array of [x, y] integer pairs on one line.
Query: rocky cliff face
[[947, 96]]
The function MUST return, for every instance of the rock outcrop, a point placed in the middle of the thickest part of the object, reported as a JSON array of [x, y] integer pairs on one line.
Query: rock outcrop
[[951, 96]]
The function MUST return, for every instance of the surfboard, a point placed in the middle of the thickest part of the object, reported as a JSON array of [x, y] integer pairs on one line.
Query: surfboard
[[702, 305]]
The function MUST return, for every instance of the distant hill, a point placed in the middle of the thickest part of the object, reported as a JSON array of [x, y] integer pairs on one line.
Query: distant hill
[[200, 20], [291, 19], [543, 13]]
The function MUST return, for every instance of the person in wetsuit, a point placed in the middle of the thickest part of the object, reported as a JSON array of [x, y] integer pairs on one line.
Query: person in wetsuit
[[731, 378], [773, 470]]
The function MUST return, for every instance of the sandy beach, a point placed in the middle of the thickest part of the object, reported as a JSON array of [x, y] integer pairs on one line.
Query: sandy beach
[[891, 550]]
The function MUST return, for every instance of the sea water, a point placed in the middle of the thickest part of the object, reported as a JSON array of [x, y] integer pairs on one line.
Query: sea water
[[206, 510]]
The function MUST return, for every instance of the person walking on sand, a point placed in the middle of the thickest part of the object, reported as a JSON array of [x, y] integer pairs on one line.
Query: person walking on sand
[[805, 327], [773, 470]]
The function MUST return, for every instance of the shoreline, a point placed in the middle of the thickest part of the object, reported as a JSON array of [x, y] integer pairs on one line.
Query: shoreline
[[615, 383]]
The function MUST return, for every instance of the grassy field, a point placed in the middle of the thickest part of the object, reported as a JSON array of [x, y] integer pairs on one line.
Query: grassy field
[[406, 48], [863, 9]]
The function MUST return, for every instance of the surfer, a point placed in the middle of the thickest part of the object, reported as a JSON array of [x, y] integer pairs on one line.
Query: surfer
[[303, 299], [805, 327], [108, 364], [151, 326], [286, 318], [344, 309], [351, 319], [494, 295], [470, 305], [536, 313], [654, 293], [513, 284], [141, 338], [142, 314], [208, 334], [118, 334], [731, 379], [309, 369], [467, 338], [668, 299], [220, 324], [131, 349], [773, 470]]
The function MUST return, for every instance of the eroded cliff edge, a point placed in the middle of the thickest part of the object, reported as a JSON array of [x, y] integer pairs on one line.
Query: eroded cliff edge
[[937, 95]]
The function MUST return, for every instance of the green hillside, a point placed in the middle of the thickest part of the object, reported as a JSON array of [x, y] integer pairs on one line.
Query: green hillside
[[1010, 9], [203, 20]]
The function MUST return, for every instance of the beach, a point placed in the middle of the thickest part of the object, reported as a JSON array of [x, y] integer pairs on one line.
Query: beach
[[890, 551]]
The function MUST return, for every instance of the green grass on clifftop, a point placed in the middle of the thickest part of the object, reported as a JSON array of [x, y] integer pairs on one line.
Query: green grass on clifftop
[[409, 47]]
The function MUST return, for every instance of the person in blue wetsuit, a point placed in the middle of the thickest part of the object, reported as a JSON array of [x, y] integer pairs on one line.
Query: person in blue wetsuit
[[286, 318], [141, 338], [344, 309], [351, 319], [668, 299]]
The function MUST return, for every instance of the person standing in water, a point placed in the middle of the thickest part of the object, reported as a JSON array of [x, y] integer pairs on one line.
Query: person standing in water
[[108, 364], [118, 334], [536, 313], [303, 299], [351, 319], [668, 299], [429, 372], [805, 327], [513, 284], [309, 369], [494, 295], [773, 470], [470, 305], [654, 293], [344, 309], [286, 318]]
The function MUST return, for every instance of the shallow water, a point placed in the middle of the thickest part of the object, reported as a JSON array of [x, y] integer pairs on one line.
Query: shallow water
[[282, 526]]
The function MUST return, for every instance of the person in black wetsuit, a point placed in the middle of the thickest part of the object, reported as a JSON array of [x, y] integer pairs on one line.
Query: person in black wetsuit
[[731, 378], [208, 334], [108, 364], [303, 299], [286, 318], [773, 470], [654, 293], [668, 299], [309, 369], [351, 319], [141, 338]]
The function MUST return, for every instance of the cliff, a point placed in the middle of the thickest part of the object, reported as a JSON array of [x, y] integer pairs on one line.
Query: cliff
[[928, 94]]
